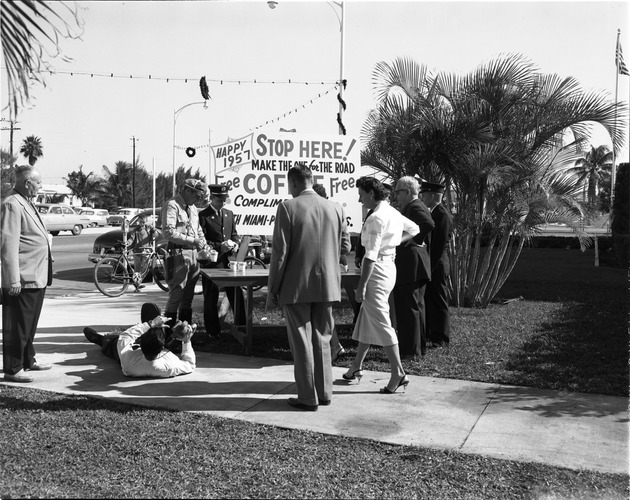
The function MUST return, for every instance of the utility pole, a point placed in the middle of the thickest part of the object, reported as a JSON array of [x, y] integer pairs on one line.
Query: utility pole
[[11, 128], [133, 174]]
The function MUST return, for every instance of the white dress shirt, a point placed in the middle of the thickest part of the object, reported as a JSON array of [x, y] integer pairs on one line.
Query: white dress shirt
[[167, 364], [382, 231]]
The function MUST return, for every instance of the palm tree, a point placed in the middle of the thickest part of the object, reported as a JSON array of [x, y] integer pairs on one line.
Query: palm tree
[[7, 172], [501, 139], [84, 187], [118, 184], [32, 149], [30, 29], [591, 169]]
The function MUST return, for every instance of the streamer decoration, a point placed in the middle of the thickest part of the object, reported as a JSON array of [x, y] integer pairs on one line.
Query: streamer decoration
[[203, 85]]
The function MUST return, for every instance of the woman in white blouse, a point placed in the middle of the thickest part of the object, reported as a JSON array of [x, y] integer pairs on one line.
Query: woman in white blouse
[[384, 229]]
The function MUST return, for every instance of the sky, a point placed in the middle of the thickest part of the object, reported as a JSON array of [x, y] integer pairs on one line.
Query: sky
[[89, 120]]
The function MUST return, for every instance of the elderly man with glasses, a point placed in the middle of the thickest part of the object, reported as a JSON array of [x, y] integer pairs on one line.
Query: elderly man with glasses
[[180, 226], [413, 266]]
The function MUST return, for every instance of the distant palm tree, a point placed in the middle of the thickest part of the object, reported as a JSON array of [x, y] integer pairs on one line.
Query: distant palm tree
[[30, 29], [32, 149], [591, 169], [118, 184], [84, 187], [7, 172]]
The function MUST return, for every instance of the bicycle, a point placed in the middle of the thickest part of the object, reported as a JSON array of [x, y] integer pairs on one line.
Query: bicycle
[[114, 274]]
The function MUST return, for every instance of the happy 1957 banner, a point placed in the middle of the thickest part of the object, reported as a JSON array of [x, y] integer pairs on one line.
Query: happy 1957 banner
[[256, 166]]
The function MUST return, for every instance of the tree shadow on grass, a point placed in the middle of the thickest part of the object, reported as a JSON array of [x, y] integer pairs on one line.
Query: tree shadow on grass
[[572, 352], [583, 346]]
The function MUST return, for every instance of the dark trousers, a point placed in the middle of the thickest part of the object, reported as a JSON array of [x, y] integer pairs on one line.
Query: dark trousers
[[438, 316], [410, 317], [211, 305], [20, 315], [109, 346]]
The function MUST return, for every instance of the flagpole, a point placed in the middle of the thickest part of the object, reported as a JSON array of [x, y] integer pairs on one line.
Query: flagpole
[[620, 68]]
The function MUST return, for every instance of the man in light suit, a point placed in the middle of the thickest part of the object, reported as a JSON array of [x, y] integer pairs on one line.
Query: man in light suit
[[413, 271], [438, 315], [305, 278], [26, 272]]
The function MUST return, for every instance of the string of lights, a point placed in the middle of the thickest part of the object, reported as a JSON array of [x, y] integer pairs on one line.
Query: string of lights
[[194, 147], [191, 79], [295, 110], [203, 83]]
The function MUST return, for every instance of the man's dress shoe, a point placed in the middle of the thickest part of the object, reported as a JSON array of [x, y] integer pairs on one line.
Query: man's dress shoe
[[17, 378], [93, 336], [39, 367], [296, 404]]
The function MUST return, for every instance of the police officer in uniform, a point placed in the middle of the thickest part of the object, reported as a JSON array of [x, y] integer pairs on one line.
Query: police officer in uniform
[[180, 226], [219, 229], [436, 295]]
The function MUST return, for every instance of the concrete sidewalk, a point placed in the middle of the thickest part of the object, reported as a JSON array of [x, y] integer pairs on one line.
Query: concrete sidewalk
[[574, 430]]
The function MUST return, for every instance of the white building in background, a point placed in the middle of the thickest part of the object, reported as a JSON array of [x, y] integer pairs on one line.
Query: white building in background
[[59, 193]]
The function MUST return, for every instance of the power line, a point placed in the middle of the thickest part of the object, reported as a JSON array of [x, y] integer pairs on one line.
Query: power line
[[11, 128]]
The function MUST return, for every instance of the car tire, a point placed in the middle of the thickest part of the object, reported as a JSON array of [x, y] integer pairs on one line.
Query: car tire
[[76, 230]]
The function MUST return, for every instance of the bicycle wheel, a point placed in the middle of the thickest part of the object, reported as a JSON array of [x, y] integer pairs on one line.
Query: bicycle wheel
[[254, 263], [111, 276], [157, 268]]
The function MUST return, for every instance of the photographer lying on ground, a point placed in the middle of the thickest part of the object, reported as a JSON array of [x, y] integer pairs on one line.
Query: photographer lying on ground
[[149, 359]]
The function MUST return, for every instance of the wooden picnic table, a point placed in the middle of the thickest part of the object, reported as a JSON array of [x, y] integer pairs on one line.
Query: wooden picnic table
[[251, 278]]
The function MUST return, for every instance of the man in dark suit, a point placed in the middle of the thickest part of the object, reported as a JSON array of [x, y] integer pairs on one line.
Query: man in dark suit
[[26, 272], [413, 271], [438, 316], [219, 229]]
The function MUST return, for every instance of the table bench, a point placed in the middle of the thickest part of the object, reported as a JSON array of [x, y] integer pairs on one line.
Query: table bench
[[251, 278]]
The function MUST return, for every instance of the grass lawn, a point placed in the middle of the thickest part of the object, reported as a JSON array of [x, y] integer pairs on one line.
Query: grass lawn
[[60, 446], [568, 331]]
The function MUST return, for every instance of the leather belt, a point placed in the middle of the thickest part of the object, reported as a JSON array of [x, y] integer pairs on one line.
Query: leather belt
[[179, 247], [385, 257]]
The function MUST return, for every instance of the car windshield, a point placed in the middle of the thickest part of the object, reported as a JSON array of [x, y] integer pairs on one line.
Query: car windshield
[[149, 216]]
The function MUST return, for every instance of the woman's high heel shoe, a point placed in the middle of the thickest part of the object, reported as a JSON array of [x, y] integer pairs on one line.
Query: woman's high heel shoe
[[356, 375], [404, 382]]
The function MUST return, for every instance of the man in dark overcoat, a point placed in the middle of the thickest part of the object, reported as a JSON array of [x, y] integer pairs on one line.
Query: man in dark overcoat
[[413, 271], [438, 316]]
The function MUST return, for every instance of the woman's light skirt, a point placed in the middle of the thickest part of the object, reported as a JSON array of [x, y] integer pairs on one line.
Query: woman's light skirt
[[373, 324]]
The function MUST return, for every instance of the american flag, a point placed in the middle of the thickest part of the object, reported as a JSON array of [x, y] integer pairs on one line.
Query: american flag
[[621, 65]]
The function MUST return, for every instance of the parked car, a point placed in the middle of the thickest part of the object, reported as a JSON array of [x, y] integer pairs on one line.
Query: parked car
[[123, 213], [111, 242], [98, 217], [58, 217]]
